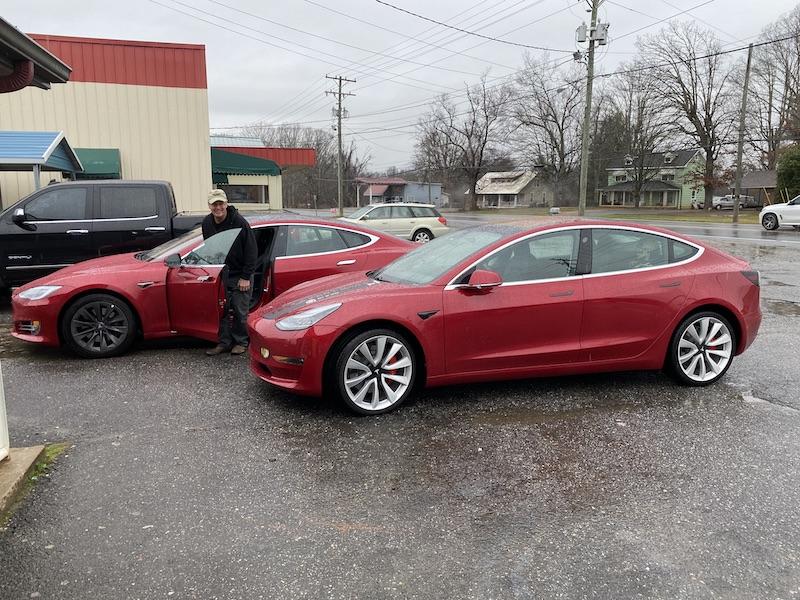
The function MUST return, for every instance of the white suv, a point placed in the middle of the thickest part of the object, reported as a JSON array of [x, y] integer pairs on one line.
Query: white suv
[[785, 213], [416, 222]]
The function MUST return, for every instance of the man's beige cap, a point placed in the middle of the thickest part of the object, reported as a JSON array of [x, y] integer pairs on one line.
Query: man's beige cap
[[217, 196]]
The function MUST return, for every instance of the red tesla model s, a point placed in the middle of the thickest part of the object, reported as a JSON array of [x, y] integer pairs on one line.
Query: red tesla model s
[[498, 303], [99, 307]]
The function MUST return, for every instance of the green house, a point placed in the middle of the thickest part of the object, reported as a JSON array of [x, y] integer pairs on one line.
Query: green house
[[669, 180]]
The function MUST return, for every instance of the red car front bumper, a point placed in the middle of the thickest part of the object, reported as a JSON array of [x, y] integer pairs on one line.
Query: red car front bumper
[[35, 320]]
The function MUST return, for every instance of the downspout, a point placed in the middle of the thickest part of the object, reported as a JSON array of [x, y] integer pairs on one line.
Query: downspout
[[19, 79]]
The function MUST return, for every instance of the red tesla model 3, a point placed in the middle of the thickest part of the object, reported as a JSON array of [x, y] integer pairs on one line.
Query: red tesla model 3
[[499, 303], [99, 307]]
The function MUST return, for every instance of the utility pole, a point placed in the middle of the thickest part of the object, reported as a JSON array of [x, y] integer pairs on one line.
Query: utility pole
[[738, 188], [338, 111], [600, 35]]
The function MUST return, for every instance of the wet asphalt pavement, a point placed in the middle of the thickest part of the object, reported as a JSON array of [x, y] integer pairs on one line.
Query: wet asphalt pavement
[[188, 478]]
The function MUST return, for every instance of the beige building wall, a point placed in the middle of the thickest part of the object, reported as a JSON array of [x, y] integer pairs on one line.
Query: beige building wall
[[274, 187], [161, 132]]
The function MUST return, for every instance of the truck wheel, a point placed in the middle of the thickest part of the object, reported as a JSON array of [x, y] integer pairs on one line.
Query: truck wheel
[[98, 326]]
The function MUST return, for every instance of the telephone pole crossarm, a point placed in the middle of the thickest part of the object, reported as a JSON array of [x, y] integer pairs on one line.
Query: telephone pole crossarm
[[339, 95]]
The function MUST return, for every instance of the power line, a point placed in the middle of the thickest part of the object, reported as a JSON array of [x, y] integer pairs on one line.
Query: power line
[[473, 33]]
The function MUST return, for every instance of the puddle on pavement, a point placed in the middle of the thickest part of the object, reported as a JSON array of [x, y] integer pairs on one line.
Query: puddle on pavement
[[784, 308], [527, 416]]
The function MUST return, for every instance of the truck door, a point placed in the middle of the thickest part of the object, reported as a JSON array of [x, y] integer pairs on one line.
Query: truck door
[[54, 232], [130, 218]]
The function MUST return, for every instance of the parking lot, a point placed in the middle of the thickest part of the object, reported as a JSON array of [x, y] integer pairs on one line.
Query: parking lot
[[186, 477]]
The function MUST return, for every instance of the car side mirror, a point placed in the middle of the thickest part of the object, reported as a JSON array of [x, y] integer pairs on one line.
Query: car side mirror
[[481, 280], [18, 217], [173, 261]]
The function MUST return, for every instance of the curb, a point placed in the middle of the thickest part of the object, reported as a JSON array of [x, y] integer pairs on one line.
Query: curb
[[14, 471]]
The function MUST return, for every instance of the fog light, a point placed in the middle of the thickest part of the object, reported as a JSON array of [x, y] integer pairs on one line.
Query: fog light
[[29, 327], [264, 352], [289, 360]]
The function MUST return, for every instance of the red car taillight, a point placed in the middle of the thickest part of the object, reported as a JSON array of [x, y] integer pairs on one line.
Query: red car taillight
[[442, 220], [753, 277]]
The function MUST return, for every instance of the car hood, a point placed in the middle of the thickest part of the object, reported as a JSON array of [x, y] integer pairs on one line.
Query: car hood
[[777, 205], [99, 267], [328, 290]]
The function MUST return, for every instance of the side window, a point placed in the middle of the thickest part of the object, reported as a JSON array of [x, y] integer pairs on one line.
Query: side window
[[353, 239], [681, 251], [402, 212], [214, 250], [306, 239], [66, 204], [548, 256], [424, 211], [623, 250], [121, 202], [382, 212]]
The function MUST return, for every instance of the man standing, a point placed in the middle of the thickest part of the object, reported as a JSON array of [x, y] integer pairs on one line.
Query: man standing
[[237, 275]]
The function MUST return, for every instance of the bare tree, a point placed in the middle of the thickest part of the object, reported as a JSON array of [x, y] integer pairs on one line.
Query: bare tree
[[641, 107], [546, 119], [773, 113], [695, 82], [468, 130]]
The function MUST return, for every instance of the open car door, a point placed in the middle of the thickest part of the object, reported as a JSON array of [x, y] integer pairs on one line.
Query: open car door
[[195, 291]]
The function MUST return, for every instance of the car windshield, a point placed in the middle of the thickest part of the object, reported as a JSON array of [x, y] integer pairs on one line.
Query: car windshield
[[432, 260], [360, 212], [178, 245]]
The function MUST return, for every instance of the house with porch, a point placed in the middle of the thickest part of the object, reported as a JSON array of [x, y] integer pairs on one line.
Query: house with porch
[[377, 190], [513, 189], [663, 179]]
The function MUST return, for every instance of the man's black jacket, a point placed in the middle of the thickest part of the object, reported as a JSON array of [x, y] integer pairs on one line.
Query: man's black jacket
[[241, 259]]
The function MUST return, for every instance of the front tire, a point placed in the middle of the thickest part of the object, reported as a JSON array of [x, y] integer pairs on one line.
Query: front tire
[[376, 371], [98, 326], [702, 349], [422, 236], [769, 221]]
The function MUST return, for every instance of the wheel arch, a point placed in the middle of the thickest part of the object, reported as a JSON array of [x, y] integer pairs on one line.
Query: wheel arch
[[423, 228], [89, 292], [723, 311], [333, 351]]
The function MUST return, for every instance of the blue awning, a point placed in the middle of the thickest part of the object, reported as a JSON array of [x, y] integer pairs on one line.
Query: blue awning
[[49, 150]]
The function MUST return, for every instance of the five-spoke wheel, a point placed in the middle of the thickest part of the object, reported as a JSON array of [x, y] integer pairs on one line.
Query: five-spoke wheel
[[422, 236], [98, 326], [376, 371], [702, 348]]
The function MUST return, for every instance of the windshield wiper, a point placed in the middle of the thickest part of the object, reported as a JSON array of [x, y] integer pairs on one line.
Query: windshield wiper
[[142, 256]]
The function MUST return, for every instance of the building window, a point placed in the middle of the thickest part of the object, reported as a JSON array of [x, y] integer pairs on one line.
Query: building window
[[628, 159], [668, 177], [246, 194], [621, 178]]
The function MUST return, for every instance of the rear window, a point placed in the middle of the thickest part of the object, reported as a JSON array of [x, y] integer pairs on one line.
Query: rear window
[[402, 212], [127, 202], [681, 251], [353, 239], [424, 211]]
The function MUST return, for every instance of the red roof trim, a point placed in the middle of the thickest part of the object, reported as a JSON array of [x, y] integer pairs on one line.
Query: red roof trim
[[130, 62]]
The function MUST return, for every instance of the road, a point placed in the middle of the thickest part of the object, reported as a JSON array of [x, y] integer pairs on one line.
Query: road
[[187, 477]]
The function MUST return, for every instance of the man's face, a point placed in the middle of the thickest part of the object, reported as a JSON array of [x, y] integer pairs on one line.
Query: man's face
[[219, 210]]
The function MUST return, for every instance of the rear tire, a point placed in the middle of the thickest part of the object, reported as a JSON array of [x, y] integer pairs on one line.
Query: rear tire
[[98, 326], [375, 371], [422, 236], [702, 349]]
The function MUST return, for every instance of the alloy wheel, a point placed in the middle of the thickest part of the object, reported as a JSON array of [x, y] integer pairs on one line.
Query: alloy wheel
[[99, 327], [704, 349], [378, 373], [422, 237], [770, 221]]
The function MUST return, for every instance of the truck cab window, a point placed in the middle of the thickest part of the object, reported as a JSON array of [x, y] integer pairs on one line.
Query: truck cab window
[[58, 205]]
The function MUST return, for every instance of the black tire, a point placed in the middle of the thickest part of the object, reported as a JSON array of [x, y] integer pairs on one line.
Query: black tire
[[98, 326], [392, 386], [770, 221], [422, 236], [685, 365]]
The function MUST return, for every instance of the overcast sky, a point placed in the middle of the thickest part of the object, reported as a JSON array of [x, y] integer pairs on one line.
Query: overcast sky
[[268, 60]]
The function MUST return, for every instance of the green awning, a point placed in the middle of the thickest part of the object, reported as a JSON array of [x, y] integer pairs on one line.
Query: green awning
[[99, 163], [232, 163], [219, 179]]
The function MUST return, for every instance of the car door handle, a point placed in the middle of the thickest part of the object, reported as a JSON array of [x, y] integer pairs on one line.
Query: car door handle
[[205, 278], [154, 229], [670, 284], [77, 231], [562, 294], [350, 261]]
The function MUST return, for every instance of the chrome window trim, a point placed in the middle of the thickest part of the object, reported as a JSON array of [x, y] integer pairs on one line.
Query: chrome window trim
[[454, 286], [94, 220], [20, 267]]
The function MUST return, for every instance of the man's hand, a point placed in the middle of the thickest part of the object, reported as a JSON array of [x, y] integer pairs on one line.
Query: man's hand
[[244, 285]]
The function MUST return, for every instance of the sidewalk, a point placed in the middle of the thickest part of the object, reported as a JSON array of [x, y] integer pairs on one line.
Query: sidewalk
[[13, 472]]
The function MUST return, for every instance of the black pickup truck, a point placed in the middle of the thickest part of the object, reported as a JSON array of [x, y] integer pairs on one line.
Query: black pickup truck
[[66, 223]]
